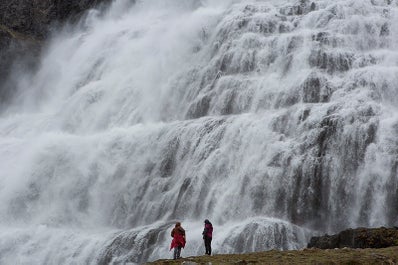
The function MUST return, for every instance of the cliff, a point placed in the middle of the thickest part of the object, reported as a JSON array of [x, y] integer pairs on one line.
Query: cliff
[[25, 24], [357, 238], [31, 18]]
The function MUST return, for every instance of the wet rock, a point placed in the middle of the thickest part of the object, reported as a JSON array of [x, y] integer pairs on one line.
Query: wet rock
[[260, 235], [322, 37], [24, 24], [315, 89], [301, 8], [16, 51], [132, 246], [199, 108], [385, 30], [33, 17], [331, 62], [357, 238]]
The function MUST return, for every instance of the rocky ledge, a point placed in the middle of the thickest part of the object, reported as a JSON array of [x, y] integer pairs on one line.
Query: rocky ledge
[[33, 17], [357, 238]]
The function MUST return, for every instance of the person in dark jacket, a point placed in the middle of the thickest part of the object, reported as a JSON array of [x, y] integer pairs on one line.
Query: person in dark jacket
[[208, 236], [178, 242]]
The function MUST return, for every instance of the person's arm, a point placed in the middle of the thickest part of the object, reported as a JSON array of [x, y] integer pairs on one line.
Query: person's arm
[[204, 232], [183, 233]]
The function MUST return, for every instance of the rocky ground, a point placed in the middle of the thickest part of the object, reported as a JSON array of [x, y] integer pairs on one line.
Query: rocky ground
[[300, 257], [352, 246], [357, 238]]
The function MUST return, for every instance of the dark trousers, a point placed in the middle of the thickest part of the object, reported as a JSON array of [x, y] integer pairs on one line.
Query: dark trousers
[[208, 245], [177, 252]]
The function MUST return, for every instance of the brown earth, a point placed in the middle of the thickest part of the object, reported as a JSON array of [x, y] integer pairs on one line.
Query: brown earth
[[306, 256]]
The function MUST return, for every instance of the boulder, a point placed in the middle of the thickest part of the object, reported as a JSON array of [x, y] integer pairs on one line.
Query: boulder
[[357, 238]]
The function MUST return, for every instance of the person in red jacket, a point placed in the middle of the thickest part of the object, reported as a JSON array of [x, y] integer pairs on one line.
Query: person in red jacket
[[208, 236], [178, 242]]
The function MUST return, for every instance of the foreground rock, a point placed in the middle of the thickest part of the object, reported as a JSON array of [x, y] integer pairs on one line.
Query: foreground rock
[[298, 257], [357, 238]]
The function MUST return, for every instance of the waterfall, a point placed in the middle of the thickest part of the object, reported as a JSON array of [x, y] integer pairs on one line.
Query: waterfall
[[276, 120]]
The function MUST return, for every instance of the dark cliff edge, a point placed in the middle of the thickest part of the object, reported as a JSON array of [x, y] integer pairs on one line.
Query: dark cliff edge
[[357, 238], [24, 27]]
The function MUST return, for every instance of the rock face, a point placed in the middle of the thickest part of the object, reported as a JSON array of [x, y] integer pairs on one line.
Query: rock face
[[32, 17], [24, 24], [357, 238]]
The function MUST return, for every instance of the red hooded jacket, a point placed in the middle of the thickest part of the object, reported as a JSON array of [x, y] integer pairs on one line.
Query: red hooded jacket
[[178, 234]]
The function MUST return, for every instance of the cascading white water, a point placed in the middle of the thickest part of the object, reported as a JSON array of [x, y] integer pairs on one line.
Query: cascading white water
[[276, 120]]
